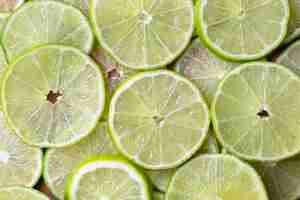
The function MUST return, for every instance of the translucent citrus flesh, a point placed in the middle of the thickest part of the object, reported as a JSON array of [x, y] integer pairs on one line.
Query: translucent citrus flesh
[[50, 92], [143, 34], [3, 20], [21, 193], [149, 114], [216, 177], [158, 196], [242, 30], [83, 5], [33, 25], [294, 23], [255, 112], [20, 164], [204, 68], [60, 162], [107, 178]]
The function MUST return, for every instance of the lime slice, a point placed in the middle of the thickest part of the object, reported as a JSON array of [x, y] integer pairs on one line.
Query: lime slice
[[43, 22], [3, 20], [294, 24], [204, 68], [82, 5], [143, 34], [107, 178], [282, 178], [161, 178], [158, 196], [290, 57], [216, 177], [53, 96], [158, 119], [20, 164], [242, 30], [255, 112], [21, 193], [60, 162], [7, 6]]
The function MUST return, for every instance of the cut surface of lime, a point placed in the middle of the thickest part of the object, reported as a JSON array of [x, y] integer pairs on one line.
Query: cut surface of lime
[[53, 96], [60, 162], [158, 119], [20, 164], [46, 22], [216, 177], [255, 112], [294, 24], [82, 5], [3, 20], [204, 68], [290, 57], [21, 193], [7, 6], [107, 178], [242, 30], [281, 178], [143, 34], [158, 196]]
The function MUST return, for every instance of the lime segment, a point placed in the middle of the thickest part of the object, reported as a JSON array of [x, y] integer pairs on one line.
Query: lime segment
[[294, 24], [255, 112], [21, 193], [242, 30], [60, 162], [49, 93], [107, 178], [82, 5], [216, 177], [143, 34], [158, 119], [3, 20], [44, 22], [158, 196]]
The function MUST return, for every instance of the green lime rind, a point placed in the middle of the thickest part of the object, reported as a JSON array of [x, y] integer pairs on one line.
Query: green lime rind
[[174, 99], [212, 177], [33, 25], [37, 120], [21, 193], [145, 34], [82, 5], [294, 24], [134, 178], [60, 162], [281, 178], [261, 35], [249, 107]]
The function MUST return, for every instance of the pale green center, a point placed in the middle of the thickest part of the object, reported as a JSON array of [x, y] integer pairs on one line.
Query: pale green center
[[4, 156], [145, 17]]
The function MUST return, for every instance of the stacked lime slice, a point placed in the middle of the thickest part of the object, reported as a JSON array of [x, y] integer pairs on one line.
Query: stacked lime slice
[[21, 193], [107, 178], [256, 110], [242, 30], [82, 5], [143, 34], [216, 177], [53, 96], [158, 119], [60, 162], [43, 22]]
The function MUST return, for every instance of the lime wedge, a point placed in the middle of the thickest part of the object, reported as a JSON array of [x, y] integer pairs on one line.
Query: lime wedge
[[158, 119], [21, 193], [204, 68], [143, 34], [43, 22], [290, 57], [7, 6], [60, 162], [242, 30], [82, 5], [20, 164], [255, 112], [107, 178], [216, 177], [282, 178], [294, 24], [158, 196], [53, 96]]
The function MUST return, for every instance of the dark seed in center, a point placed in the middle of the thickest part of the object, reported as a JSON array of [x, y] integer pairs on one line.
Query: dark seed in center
[[263, 114], [53, 96]]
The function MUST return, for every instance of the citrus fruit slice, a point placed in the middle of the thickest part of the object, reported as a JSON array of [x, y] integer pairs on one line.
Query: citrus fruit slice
[[107, 178], [158, 196], [82, 5], [46, 22], [294, 24], [204, 68], [20, 164], [143, 34], [242, 30], [290, 57], [21, 193], [216, 177], [161, 178], [158, 119], [255, 112], [3, 20], [53, 96], [281, 178], [7, 6], [60, 162]]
